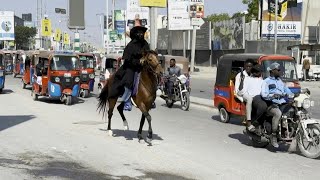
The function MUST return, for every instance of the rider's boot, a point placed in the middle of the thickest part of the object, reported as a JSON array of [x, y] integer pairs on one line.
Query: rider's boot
[[274, 141]]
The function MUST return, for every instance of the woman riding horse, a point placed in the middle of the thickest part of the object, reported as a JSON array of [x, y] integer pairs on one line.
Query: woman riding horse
[[124, 77], [146, 94]]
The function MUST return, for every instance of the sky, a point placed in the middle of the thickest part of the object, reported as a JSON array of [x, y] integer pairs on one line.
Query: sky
[[92, 7]]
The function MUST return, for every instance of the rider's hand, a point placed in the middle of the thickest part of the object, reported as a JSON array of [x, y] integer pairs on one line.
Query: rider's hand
[[276, 96]]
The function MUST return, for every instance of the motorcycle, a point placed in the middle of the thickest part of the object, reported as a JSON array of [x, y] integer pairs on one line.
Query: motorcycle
[[295, 126], [180, 92]]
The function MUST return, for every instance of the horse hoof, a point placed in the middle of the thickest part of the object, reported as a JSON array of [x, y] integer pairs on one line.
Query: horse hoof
[[126, 126], [110, 133], [149, 141]]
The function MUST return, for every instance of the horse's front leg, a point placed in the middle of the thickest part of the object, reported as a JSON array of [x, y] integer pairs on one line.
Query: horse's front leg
[[143, 118], [149, 137], [120, 109]]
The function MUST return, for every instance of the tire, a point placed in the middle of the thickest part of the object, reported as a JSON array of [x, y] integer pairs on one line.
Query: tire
[[224, 115], [185, 105], [169, 104], [85, 93], [14, 75], [23, 85], [34, 96], [314, 131], [258, 144], [68, 101], [1, 90]]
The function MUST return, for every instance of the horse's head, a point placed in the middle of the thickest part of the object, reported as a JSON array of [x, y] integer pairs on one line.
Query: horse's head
[[150, 60]]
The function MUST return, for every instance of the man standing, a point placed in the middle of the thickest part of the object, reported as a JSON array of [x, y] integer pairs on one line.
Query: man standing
[[305, 68]]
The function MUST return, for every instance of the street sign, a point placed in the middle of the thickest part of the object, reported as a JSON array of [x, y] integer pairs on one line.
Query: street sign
[[197, 21]]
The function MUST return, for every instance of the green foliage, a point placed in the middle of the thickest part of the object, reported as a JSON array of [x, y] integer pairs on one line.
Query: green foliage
[[253, 9], [24, 36], [218, 17]]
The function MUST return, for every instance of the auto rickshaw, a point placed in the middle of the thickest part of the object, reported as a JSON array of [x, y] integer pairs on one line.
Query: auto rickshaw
[[2, 71], [8, 58], [28, 67], [110, 64], [230, 65], [60, 76], [181, 89], [18, 60], [87, 73]]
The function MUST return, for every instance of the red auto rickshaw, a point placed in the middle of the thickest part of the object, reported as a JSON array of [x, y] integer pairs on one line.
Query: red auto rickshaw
[[230, 65], [18, 59], [60, 76], [87, 65]]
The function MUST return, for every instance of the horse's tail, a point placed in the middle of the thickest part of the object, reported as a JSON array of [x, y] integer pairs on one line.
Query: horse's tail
[[103, 99]]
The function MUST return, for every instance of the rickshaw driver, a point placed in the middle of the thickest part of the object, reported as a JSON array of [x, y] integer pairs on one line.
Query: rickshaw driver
[[172, 72], [39, 69], [273, 90]]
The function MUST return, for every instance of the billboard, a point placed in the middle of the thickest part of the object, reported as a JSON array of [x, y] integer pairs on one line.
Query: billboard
[[7, 25], [228, 34], [46, 27], [153, 3], [289, 19], [76, 14], [180, 12], [136, 15]]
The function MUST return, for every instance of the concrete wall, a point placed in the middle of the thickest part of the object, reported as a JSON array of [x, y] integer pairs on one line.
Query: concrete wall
[[310, 18]]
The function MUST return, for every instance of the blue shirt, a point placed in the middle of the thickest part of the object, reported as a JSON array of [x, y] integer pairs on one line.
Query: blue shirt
[[271, 86]]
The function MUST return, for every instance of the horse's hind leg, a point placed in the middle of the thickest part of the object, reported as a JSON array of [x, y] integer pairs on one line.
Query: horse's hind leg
[[125, 123], [143, 118], [112, 103]]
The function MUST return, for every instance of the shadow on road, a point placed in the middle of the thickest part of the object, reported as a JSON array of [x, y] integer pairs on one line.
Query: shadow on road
[[233, 120], [10, 121], [130, 135], [7, 91], [48, 100]]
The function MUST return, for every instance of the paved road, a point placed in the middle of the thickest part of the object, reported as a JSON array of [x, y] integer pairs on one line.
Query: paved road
[[48, 140], [202, 87]]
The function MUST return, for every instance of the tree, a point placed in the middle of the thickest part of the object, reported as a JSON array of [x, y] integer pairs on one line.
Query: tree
[[23, 35], [253, 9], [218, 17]]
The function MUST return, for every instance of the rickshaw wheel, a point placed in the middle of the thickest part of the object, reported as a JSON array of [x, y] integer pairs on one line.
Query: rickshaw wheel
[[14, 75], [0, 90], [68, 100], [34, 96], [85, 93], [224, 115], [23, 85]]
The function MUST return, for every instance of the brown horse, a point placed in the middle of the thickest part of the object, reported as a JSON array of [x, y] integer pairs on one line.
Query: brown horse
[[144, 98]]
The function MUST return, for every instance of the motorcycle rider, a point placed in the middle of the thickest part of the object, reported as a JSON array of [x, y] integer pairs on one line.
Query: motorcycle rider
[[172, 72], [273, 90]]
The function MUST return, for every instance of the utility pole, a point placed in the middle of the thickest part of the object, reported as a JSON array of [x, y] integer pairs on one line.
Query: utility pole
[[107, 28], [153, 27], [276, 28]]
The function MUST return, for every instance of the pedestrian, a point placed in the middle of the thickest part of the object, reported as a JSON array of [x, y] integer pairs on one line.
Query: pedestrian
[[305, 67]]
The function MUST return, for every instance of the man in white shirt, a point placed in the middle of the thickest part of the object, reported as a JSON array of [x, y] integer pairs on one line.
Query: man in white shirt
[[239, 80], [251, 88]]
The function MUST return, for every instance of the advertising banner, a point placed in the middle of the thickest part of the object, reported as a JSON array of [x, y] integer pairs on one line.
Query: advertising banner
[[153, 3], [289, 19], [7, 25], [228, 34], [57, 36], [119, 21], [136, 15], [46, 27], [66, 39], [180, 13]]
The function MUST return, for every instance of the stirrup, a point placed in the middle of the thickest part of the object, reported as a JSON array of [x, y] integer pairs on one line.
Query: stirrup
[[133, 103]]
